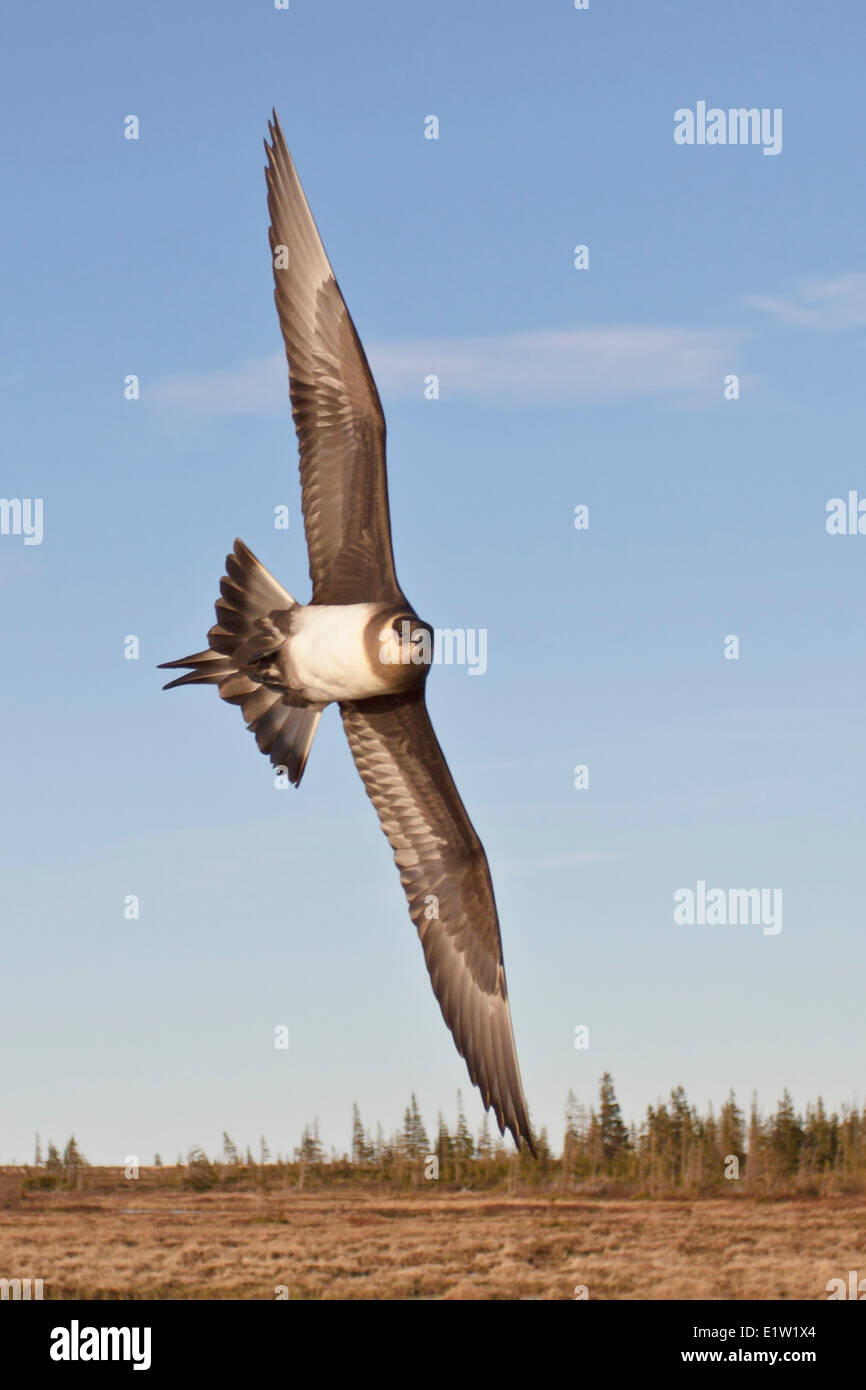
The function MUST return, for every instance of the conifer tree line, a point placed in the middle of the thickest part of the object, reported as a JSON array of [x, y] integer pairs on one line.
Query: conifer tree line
[[674, 1149], [67, 1166], [677, 1149]]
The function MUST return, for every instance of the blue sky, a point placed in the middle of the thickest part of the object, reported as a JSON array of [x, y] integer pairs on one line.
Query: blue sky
[[558, 386]]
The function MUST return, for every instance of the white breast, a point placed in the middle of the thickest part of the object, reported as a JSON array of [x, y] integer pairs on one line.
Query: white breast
[[327, 657]]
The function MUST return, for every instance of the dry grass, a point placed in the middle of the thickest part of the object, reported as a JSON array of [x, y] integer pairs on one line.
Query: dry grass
[[363, 1244]]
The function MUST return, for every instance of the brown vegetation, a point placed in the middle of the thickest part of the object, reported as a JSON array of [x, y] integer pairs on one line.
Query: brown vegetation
[[683, 1206], [130, 1239]]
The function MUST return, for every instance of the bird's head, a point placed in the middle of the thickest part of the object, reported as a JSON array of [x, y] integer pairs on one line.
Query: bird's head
[[406, 644]]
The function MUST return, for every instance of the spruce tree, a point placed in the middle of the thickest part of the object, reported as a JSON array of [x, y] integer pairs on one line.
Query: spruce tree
[[614, 1135], [575, 1144], [360, 1147], [485, 1144], [820, 1138], [732, 1129], [755, 1147], [379, 1145], [444, 1148], [464, 1145], [310, 1148], [681, 1132], [786, 1136], [413, 1139], [72, 1158]]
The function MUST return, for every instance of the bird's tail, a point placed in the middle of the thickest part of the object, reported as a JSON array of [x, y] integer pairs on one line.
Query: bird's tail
[[252, 625]]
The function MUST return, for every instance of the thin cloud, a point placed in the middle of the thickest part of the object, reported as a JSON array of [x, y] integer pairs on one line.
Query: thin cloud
[[534, 368], [830, 305], [542, 367], [257, 387]]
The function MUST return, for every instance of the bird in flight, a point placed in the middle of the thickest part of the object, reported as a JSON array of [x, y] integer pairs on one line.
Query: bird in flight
[[359, 643]]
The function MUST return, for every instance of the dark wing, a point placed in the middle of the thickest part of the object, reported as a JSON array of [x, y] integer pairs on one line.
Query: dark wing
[[335, 405], [443, 869]]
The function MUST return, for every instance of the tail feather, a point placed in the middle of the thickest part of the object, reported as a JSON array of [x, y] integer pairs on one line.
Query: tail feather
[[259, 701], [236, 687], [222, 642], [250, 601], [207, 667], [289, 738]]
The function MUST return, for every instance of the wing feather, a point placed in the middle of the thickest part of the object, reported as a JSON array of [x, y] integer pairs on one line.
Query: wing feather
[[444, 872], [335, 405]]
